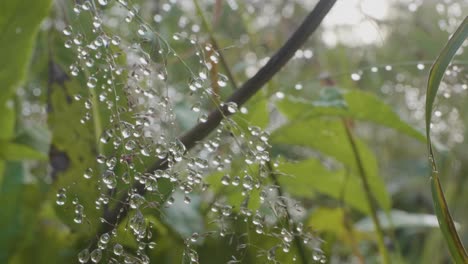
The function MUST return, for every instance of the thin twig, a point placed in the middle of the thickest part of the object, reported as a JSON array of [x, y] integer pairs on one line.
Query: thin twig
[[370, 198], [214, 42], [240, 96]]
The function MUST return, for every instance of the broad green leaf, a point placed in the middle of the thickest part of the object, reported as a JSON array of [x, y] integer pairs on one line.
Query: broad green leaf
[[10, 216], [257, 113], [232, 193], [436, 74], [7, 120], [328, 220], [328, 136], [19, 22], [35, 137], [45, 227], [73, 151], [305, 177], [357, 104], [398, 219], [185, 219], [12, 151]]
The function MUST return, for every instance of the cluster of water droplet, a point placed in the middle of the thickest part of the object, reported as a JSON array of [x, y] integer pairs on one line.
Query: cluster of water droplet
[[132, 85]]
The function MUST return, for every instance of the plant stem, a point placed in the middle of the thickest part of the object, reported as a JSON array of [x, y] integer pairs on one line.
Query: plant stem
[[214, 42], [370, 198], [297, 241]]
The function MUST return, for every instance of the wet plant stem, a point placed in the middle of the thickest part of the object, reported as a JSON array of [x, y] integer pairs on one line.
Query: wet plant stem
[[214, 42], [369, 196], [297, 241]]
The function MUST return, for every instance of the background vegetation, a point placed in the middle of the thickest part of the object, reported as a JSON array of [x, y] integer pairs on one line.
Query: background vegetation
[[327, 163]]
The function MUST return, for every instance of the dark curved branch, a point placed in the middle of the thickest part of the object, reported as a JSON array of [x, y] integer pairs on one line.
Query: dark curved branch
[[240, 96]]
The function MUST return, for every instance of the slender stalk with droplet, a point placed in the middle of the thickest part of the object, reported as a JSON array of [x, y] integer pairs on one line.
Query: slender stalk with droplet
[[214, 42], [369, 196]]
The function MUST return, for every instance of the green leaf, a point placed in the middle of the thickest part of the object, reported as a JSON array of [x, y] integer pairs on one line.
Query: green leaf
[[328, 136], [257, 113], [36, 137], [310, 175], [357, 104], [436, 74], [328, 220], [398, 219], [19, 22], [10, 199], [12, 151], [7, 120], [184, 219]]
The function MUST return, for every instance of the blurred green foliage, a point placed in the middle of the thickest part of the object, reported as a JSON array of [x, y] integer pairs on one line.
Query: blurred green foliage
[[47, 151]]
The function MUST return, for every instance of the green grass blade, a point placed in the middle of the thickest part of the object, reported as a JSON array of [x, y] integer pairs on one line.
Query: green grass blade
[[436, 74]]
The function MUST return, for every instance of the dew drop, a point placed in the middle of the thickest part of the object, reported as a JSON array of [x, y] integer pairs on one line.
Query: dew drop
[[68, 44], [115, 40], [67, 31], [77, 9], [61, 196], [226, 180], [103, 2], [79, 209], [78, 39], [231, 107], [91, 82], [420, 66], [162, 75], [203, 118], [136, 201], [141, 30], [196, 107], [355, 76], [108, 177], [130, 145], [118, 249], [100, 159], [236, 181], [96, 255], [170, 200], [279, 95], [187, 199], [83, 256]]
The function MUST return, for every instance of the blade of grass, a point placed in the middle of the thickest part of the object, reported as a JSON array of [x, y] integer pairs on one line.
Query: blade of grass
[[436, 74]]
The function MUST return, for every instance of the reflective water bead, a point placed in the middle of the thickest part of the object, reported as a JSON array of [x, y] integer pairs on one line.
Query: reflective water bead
[[115, 40], [92, 81], [141, 30], [136, 201], [96, 255], [226, 180], [61, 196], [203, 118], [231, 107], [67, 31], [118, 249], [83, 256], [355, 76]]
